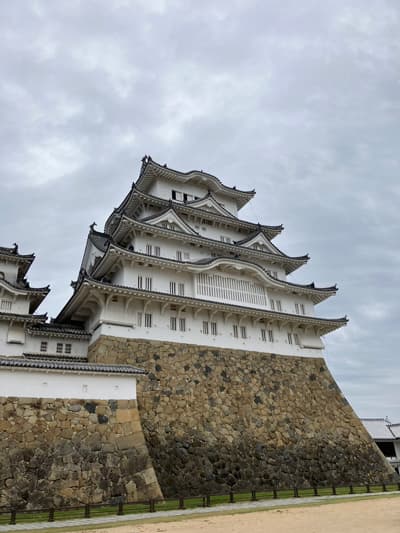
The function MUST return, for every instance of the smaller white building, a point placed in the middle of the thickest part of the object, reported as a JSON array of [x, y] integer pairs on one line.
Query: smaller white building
[[387, 437], [24, 333]]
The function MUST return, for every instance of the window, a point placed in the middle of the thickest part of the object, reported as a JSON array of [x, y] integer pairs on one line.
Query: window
[[186, 256], [275, 274], [149, 284], [172, 323], [290, 338], [296, 339], [181, 289], [205, 328], [6, 305], [235, 331], [139, 282], [270, 335], [243, 332], [177, 195], [272, 304], [296, 306], [59, 348], [148, 319], [187, 197], [139, 319], [214, 328], [157, 251], [182, 324], [178, 255], [114, 299], [303, 310], [149, 249], [68, 348], [279, 305], [172, 287], [263, 335], [43, 346]]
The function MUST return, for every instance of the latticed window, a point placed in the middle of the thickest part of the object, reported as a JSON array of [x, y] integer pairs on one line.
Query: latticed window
[[149, 249], [179, 255], [172, 287], [290, 338], [182, 324], [205, 327], [296, 339], [149, 284], [263, 335], [213, 328], [181, 289], [140, 282], [235, 331], [243, 332], [59, 347], [5, 305], [157, 251], [148, 320], [172, 323], [68, 348], [43, 346], [270, 335]]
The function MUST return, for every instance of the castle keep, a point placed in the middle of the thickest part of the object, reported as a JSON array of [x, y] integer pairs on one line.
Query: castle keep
[[182, 296]]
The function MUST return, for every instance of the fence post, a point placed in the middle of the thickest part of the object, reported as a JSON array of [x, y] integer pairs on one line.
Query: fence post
[[231, 497], [367, 488], [274, 493], [333, 490], [208, 500], [204, 501], [181, 502], [315, 491], [253, 496], [351, 490], [120, 511], [13, 517], [87, 511], [51, 515]]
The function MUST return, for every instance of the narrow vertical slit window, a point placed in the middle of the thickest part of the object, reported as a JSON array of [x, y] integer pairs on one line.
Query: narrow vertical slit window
[[205, 327], [179, 255], [270, 335], [149, 249], [43, 346], [148, 320], [290, 338], [182, 324], [172, 287], [140, 282], [243, 332], [181, 289], [157, 251], [149, 284], [172, 323], [235, 331], [214, 328], [263, 335]]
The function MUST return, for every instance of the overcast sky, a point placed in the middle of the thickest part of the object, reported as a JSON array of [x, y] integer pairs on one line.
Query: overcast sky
[[299, 99]]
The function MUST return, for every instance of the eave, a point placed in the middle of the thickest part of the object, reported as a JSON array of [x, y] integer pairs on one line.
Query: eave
[[321, 325], [290, 264], [135, 195], [14, 317], [34, 295], [12, 255], [151, 169]]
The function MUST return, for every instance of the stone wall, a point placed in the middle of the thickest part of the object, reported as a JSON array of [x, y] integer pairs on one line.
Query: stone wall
[[216, 419], [57, 452]]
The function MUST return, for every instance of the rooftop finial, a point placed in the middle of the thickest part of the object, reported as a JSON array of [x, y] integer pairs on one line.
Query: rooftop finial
[[92, 226], [15, 248], [144, 158]]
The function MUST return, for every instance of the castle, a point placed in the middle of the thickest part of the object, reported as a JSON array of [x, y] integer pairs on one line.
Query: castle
[[189, 304]]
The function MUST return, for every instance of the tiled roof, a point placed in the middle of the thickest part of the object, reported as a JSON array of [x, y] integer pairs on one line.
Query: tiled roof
[[22, 317], [378, 428], [46, 364], [59, 330]]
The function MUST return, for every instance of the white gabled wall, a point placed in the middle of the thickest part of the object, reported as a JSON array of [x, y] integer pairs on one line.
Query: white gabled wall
[[41, 384]]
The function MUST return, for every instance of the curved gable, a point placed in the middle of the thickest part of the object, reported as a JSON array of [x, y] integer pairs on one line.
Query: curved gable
[[171, 220]]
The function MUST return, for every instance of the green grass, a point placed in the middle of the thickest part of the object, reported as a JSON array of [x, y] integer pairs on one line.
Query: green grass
[[190, 503]]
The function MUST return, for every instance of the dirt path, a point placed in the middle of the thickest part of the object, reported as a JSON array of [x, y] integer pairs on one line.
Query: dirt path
[[380, 515]]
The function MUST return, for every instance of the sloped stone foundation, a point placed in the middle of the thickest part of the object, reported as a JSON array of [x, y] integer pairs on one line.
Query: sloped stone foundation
[[218, 419], [57, 452]]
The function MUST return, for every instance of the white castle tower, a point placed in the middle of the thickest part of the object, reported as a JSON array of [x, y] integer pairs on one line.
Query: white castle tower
[[176, 263]]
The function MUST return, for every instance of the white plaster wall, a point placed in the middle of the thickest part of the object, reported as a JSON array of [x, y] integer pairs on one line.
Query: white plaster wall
[[163, 189], [78, 347], [126, 326], [41, 384], [7, 348], [10, 271]]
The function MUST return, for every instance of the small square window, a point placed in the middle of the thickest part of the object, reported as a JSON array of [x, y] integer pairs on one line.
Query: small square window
[[59, 348], [68, 348]]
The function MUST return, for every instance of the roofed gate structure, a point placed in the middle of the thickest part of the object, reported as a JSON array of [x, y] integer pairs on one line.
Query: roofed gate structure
[[238, 393]]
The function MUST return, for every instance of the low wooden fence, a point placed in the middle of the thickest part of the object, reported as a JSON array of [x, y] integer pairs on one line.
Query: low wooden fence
[[14, 516]]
